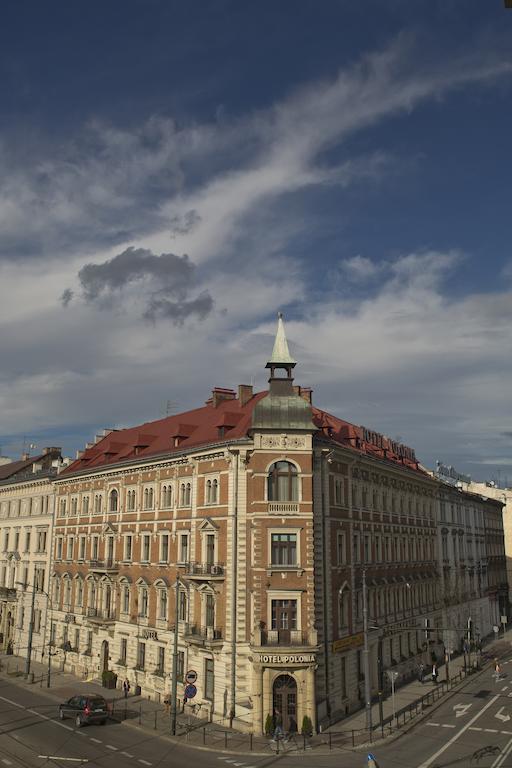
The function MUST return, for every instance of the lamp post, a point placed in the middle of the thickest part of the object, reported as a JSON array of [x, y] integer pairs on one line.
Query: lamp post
[[28, 661], [366, 658], [174, 690]]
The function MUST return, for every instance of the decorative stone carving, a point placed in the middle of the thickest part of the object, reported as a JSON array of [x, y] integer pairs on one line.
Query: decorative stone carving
[[283, 441]]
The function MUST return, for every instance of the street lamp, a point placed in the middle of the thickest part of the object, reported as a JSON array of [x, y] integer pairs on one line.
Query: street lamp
[[28, 661], [366, 658], [174, 690]]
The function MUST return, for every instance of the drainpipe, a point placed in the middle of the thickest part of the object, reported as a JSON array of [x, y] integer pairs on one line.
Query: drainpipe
[[324, 573], [234, 582]]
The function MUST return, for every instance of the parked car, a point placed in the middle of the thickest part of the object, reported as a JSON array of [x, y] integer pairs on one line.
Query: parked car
[[85, 709]]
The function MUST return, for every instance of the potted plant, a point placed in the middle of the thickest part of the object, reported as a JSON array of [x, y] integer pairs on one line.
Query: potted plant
[[108, 678], [269, 725]]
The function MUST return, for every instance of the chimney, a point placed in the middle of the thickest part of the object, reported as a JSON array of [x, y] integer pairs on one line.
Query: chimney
[[244, 393], [53, 450], [25, 456], [304, 392], [219, 394]]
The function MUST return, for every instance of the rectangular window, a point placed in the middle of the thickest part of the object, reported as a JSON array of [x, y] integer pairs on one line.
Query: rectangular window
[[341, 549], [339, 492], [128, 547], [343, 677], [95, 548], [160, 662], [356, 553], [41, 541], [77, 639], [53, 633], [123, 650], [6, 541], [164, 548], [126, 599], [378, 549], [284, 549], [70, 545], [37, 620], [146, 545], [181, 665], [27, 541], [183, 553], [58, 553], [141, 655], [367, 548], [182, 606], [81, 548], [209, 679], [88, 647], [284, 616]]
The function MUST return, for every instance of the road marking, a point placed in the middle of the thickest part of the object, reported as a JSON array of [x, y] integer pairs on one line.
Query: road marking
[[63, 725], [6, 761], [503, 718], [427, 763], [504, 688], [499, 760], [490, 730], [69, 759], [475, 729], [461, 709], [97, 741], [109, 746], [126, 754], [144, 762], [435, 725], [447, 725], [10, 701]]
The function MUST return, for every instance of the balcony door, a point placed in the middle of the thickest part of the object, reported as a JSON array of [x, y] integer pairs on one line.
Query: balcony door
[[284, 619], [210, 549]]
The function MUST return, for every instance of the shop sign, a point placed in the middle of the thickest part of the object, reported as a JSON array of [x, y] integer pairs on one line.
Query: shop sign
[[346, 643], [149, 634], [292, 658]]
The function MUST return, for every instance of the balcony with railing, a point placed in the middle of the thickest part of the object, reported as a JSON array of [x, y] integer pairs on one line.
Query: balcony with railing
[[205, 571], [101, 615], [108, 565], [283, 507], [203, 636], [285, 638]]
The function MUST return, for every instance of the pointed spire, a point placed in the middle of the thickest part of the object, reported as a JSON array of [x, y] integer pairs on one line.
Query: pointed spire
[[281, 353]]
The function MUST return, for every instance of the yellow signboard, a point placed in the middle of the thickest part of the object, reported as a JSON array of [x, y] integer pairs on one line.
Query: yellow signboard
[[346, 643]]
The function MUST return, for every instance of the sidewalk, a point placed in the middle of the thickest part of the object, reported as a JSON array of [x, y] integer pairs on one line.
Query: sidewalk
[[349, 733]]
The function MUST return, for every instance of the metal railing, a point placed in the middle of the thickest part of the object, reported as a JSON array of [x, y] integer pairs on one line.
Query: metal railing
[[204, 569]]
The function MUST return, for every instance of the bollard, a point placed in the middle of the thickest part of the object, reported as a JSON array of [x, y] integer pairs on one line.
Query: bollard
[[304, 740], [113, 708], [250, 742], [330, 740], [155, 719], [353, 742], [204, 735], [140, 713], [226, 739]]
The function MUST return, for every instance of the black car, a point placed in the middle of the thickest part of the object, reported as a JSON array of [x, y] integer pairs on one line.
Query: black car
[[85, 709]]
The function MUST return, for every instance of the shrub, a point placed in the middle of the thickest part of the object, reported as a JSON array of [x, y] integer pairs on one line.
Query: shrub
[[307, 726], [269, 725]]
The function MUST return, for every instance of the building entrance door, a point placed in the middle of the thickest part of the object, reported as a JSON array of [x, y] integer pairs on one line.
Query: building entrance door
[[285, 701]]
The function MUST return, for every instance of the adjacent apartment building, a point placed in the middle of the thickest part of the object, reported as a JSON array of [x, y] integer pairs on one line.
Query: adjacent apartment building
[[247, 526], [26, 523]]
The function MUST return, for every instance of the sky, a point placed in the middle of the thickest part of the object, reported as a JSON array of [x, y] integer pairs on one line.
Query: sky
[[173, 174]]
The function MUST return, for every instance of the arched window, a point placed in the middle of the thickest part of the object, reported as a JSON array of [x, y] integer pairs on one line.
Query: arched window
[[185, 494], [97, 504], [113, 500], [143, 602], [166, 496], [215, 491], [283, 482], [126, 599], [162, 604], [56, 590], [208, 491], [148, 498], [130, 501], [67, 593], [79, 593]]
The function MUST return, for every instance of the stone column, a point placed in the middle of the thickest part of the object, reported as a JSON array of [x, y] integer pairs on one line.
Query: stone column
[[257, 699]]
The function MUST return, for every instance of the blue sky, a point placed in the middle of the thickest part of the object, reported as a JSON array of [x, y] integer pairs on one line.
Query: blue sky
[[173, 174]]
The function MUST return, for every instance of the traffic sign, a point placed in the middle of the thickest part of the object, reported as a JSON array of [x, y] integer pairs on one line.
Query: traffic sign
[[191, 676], [190, 691]]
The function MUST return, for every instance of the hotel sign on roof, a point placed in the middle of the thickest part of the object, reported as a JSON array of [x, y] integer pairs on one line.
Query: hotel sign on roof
[[385, 444]]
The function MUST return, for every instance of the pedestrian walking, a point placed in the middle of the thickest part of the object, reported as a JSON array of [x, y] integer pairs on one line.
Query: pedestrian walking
[[434, 674], [421, 673], [278, 726], [126, 687], [497, 670], [167, 703]]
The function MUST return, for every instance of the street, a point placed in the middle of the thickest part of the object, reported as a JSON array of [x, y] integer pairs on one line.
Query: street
[[471, 729]]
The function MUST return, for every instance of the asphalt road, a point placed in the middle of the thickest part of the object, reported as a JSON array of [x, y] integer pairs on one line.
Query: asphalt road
[[472, 729]]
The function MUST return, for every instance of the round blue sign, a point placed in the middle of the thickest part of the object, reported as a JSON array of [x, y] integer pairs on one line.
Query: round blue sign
[[190, 691]]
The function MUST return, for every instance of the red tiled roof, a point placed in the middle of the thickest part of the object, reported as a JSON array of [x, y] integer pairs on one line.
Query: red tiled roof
[[209, 424], [8, 470]]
